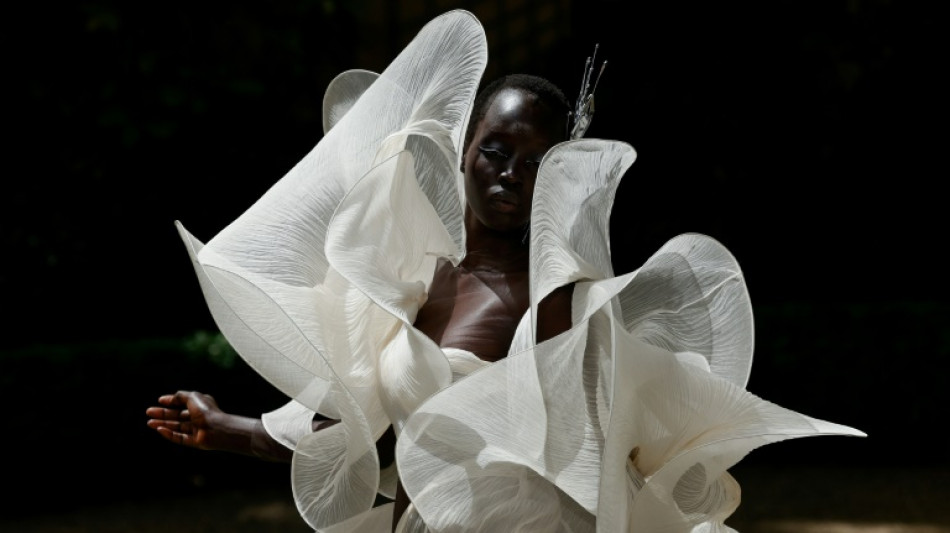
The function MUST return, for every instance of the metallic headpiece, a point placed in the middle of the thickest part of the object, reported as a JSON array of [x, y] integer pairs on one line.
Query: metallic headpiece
[[584, 106]]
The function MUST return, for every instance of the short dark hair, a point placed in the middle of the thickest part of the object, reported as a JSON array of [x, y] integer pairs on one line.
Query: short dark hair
[[549, 93]]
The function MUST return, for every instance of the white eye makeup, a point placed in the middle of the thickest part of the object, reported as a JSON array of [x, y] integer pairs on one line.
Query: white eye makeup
[[496, 154], [493, 153]]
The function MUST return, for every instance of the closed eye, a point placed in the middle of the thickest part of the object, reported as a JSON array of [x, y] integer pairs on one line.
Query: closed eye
[[492, 153]]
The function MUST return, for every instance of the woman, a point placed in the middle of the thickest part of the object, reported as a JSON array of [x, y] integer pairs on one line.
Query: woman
[[472, 307], [365, 285]]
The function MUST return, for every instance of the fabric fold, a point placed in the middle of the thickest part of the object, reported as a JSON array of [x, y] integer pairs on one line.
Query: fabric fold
[[311, 321], [570, 214]]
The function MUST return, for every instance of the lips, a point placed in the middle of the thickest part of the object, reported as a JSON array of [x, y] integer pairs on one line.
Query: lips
[[505, 201]]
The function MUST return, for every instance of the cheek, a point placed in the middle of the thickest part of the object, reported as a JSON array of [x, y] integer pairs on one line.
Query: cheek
[[471, 191], [474, 191], [478, 174]]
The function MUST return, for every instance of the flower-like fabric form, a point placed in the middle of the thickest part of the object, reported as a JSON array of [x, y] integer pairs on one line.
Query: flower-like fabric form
[[626, 422]]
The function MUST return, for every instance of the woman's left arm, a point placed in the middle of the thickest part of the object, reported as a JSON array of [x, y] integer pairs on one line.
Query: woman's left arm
[[554, 313]]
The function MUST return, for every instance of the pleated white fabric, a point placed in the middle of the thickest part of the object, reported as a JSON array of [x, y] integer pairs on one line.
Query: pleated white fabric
[[628, 421]]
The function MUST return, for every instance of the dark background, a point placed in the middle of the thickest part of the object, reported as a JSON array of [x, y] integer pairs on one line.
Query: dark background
[[802, 135]]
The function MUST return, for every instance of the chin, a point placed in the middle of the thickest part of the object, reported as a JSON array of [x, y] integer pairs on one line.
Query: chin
[[500, 222], [508, 227]]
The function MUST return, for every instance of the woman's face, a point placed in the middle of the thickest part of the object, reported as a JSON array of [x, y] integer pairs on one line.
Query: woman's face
[[501, 162]]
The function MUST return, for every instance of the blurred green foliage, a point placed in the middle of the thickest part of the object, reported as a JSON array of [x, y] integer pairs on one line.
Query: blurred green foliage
[[212, 345]]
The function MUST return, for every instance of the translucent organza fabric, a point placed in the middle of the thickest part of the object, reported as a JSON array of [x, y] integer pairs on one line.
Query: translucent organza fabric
[[628, 421]]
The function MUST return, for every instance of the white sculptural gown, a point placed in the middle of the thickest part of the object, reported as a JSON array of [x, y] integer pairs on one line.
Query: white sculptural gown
[[626, 422]]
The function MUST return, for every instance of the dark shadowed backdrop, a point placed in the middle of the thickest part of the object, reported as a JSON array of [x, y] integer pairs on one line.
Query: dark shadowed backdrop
[[803, 136]]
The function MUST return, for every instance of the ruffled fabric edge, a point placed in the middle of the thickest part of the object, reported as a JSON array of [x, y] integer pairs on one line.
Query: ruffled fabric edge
[[646, 389], [262, 274]]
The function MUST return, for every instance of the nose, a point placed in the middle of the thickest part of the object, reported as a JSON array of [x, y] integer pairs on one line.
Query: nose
[[510, 174]]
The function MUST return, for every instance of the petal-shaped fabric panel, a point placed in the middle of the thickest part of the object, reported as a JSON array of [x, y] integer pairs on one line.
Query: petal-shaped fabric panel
[[281, 238], [291, 422], [254, 323], [570, 213], [335, 471], [342, 92], [691, 296], [667, 417], [391, 263], [256, 318], [388, 480], [411, 522], [435, 160], [412, 368], [376, 520], [527, 418], [390, 258], [694, 493], [270, 263], [591, 296], [434, 78]]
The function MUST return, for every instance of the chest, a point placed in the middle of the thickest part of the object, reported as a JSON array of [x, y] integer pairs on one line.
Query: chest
[[477, 311]]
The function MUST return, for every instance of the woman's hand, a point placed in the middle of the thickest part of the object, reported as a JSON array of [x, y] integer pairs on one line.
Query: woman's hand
[[188, 418], [193, 419]]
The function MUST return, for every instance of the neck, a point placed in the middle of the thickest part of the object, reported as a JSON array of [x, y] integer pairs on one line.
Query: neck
[[489, 249]]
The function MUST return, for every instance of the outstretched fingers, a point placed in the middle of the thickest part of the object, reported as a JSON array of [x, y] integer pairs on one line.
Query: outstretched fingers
[[162, 413], [172, 420], [178, 437], [182, 417], [179, 432]]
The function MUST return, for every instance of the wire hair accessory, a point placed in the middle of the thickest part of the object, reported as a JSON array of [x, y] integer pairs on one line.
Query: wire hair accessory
[[584, 106]]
